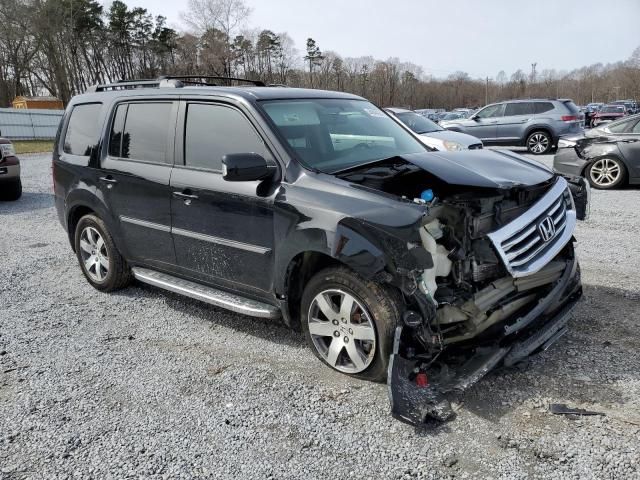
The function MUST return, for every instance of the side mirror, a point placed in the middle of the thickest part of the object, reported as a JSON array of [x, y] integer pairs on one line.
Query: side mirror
[[247, 167], [474, 118]]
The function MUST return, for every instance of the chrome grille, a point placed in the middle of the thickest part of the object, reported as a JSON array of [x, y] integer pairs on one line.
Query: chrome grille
[[521, 244]]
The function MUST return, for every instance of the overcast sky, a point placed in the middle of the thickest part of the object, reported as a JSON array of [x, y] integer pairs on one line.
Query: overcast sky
[[442, 36]]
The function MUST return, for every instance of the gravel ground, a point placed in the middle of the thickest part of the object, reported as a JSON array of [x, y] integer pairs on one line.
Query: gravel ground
[[143, 383]]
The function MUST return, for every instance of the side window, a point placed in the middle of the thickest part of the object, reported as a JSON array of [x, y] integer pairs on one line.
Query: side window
[[147, 127], [492, 111], [115, 138], [542, 107], [520, 108], [619, 127], [212, 131], [83, 129]]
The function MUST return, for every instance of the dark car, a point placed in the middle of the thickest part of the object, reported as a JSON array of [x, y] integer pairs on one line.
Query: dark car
[[319, 208], [608, 113], [10, 182], [609, 157]]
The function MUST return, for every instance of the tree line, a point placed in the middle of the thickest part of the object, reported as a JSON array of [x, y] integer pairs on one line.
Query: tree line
[[61, 47]]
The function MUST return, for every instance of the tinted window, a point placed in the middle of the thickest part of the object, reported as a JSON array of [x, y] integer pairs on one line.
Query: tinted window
[[115, 139], [491, 111], [618, 127], [212, 131], [572, 107], [520, 108], [146, 131], [83, 129], [418, 123], [542, 107]]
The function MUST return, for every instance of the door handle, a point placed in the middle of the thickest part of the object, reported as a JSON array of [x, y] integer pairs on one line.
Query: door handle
[[109, 180], [185, 195]]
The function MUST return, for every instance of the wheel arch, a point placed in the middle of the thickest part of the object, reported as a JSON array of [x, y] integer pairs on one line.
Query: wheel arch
[[539, 128], [81, 203]]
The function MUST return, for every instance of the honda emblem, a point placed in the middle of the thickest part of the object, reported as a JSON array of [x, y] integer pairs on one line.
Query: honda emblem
[[547, 229]]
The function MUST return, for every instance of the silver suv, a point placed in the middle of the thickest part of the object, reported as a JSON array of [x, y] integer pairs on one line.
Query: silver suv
[[534, 123]]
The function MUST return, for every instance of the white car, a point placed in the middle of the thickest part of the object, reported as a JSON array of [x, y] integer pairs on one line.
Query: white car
[[432, 134]]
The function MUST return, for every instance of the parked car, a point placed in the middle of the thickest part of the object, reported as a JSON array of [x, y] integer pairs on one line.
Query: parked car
[[319, 208], [624, 125], [630, 106], [432, 134], [608, 113], [609, 156], [10, 182], [448, 116], [536, 124]]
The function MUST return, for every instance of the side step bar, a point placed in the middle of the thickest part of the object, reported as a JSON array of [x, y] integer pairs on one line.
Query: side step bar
[[219, 298]]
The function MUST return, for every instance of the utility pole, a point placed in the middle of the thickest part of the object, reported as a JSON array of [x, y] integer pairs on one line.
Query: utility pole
[[486, 92]]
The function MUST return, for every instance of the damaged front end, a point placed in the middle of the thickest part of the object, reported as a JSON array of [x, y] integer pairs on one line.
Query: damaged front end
[[502, 282]]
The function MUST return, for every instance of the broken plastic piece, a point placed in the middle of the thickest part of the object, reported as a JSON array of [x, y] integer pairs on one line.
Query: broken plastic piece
[[563, 409]]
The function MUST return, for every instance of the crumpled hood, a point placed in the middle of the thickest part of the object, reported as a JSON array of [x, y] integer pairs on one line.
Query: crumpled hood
[[482, 168]]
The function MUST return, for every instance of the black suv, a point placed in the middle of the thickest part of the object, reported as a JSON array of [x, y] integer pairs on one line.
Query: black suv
[[319, 208]]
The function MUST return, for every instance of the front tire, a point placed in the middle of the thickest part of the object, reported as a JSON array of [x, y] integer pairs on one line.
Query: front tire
[[539, 142], [12, 191], [101, 263], [349, 322], [606, 173]]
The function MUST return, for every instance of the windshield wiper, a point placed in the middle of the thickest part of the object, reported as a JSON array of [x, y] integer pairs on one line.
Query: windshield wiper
[[366, 164]]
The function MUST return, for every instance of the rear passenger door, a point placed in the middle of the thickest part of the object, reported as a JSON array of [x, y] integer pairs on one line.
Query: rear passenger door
[[512, 126], [135, 178], [222, 231]]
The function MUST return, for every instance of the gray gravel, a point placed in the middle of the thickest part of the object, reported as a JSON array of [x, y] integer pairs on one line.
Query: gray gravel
[[142, 383]]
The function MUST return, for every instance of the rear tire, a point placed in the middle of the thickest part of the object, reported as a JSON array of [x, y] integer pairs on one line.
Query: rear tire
[[539, 142], [357, 344], [11, 191], [101, 263]]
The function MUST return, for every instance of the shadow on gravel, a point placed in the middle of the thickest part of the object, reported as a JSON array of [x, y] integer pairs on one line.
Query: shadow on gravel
[[30, 201], [587, 366], [267, 329]]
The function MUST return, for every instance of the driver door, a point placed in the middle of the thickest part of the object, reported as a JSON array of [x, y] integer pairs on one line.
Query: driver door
[[484, 125]]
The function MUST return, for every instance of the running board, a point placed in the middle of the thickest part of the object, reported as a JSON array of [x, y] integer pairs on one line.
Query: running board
[[219, 298]]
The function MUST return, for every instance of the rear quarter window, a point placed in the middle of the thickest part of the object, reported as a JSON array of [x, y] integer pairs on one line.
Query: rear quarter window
[[83, 129], [572, 107], [543, 107]]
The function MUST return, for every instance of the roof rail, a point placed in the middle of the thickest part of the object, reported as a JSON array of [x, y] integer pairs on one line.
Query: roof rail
[[131, 84], [197, 80], [172, 81]]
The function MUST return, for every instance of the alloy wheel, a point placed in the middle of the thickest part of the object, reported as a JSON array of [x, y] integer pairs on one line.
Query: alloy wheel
[[342, 331], [605, 172], [538, 143], [93, 251]]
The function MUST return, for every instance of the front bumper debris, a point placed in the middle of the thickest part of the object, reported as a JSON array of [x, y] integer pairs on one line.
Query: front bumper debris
[[415, 402]]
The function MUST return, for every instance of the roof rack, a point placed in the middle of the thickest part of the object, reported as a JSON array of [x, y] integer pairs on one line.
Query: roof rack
[[198, 80], [172, 81]]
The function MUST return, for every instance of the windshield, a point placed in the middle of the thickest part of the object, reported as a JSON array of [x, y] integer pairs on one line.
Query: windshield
[[612, 109], [331, 135], [418, 123]]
